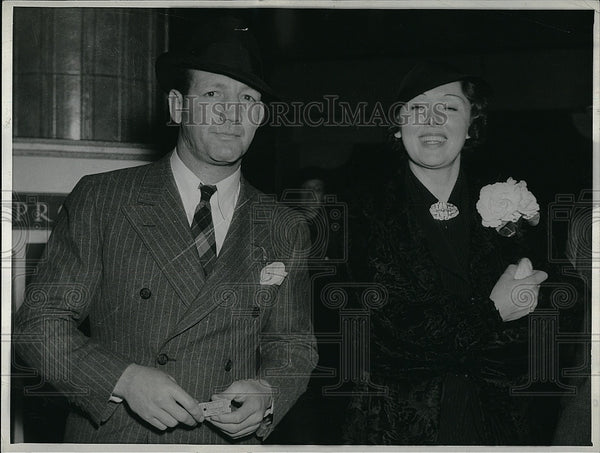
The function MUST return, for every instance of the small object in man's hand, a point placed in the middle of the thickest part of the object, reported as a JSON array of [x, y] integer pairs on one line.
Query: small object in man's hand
[[216, 407], [524, 269]]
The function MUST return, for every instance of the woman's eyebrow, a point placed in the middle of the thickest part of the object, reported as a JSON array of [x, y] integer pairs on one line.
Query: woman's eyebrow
[[457, 96]]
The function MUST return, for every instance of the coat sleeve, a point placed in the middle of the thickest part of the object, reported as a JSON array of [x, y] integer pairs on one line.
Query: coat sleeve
[[66, 283], [432, 323], [288, 346], [423, 327]]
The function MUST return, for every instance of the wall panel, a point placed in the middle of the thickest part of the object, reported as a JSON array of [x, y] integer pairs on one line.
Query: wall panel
[[87, 73]]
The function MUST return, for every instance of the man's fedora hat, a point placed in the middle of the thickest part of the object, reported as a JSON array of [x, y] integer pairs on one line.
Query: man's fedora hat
[[232, 52], [427, 75]]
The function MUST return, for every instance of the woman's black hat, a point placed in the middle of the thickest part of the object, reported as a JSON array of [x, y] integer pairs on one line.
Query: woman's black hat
[[426, 75]]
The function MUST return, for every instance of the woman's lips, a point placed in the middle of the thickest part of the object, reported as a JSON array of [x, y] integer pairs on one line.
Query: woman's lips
[[433, 139]]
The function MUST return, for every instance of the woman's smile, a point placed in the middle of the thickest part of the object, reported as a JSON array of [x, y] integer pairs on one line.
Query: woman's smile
[[433, 139]]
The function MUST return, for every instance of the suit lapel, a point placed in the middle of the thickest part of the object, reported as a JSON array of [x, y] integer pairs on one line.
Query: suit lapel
[[236, 263], [159, 219]]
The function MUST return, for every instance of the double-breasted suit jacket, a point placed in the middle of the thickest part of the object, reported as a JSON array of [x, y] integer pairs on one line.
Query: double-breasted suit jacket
[[123, 254]]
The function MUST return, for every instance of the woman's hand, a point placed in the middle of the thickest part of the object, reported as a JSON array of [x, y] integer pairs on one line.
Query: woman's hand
[[516, 297]]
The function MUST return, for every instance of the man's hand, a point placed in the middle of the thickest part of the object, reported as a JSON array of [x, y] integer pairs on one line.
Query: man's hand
[[515, 298], [156, 397], [255, 397]]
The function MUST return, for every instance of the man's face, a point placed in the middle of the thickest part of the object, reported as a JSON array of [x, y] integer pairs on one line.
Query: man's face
[[221, 118], [317, 187]]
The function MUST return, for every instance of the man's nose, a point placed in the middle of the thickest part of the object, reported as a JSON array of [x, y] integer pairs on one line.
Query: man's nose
[[231, 110]]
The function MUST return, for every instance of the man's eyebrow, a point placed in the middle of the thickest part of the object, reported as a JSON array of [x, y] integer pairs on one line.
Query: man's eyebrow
[[222, 86], [247, 87], [214, 85]]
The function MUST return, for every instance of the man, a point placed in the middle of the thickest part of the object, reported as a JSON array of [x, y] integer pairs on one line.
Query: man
[[193, 291]]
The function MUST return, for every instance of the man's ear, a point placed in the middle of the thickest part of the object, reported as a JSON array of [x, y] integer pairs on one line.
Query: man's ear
[[175, 105]]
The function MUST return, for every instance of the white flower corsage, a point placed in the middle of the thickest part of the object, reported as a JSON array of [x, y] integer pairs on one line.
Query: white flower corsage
[[273, 273], [503, 204]]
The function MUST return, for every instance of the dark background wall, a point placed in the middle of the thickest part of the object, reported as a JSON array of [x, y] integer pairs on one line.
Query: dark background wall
[[538, 62], [86, 74]]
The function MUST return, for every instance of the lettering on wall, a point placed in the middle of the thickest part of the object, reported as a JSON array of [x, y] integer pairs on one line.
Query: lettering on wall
[[36, 210]]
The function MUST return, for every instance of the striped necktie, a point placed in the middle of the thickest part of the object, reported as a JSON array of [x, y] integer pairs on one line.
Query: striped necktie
[[203, 230]]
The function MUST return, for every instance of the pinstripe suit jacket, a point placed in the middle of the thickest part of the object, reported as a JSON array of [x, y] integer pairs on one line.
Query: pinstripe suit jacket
[[122, 252]]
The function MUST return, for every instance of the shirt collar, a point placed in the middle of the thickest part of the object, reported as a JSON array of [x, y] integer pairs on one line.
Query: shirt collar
[[227, 193], [228, 190]]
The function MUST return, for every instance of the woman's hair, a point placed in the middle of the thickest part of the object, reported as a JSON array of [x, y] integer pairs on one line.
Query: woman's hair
[[477, 95], [479, 103]]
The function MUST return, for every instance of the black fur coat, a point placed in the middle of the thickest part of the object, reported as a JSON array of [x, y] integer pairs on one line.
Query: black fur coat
[[424, 334]]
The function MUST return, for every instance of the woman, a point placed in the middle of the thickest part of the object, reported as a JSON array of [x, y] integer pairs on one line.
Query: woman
[[449, 344]]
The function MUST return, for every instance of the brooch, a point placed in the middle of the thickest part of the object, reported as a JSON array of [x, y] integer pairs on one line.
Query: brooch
[[443, 211]]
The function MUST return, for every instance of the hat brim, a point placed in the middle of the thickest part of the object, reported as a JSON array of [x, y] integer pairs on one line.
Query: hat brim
[[408, 95], [169, 64], [428, 75]]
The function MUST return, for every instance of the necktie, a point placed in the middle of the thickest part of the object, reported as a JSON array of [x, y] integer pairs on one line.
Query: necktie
[[203, 230]]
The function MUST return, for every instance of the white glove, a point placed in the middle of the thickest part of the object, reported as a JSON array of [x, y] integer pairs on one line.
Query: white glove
[[516, 294]]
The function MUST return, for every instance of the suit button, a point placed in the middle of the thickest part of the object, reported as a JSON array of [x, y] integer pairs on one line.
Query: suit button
[[228, 365], [162, 359], [145, 293]]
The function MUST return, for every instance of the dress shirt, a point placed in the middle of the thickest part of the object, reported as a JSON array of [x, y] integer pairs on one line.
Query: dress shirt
[[222, 203]]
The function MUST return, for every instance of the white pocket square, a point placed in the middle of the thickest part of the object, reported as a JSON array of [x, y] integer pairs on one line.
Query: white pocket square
[[273, 273]]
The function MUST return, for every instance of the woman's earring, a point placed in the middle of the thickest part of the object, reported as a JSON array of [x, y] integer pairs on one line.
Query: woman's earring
[[398, 134]]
